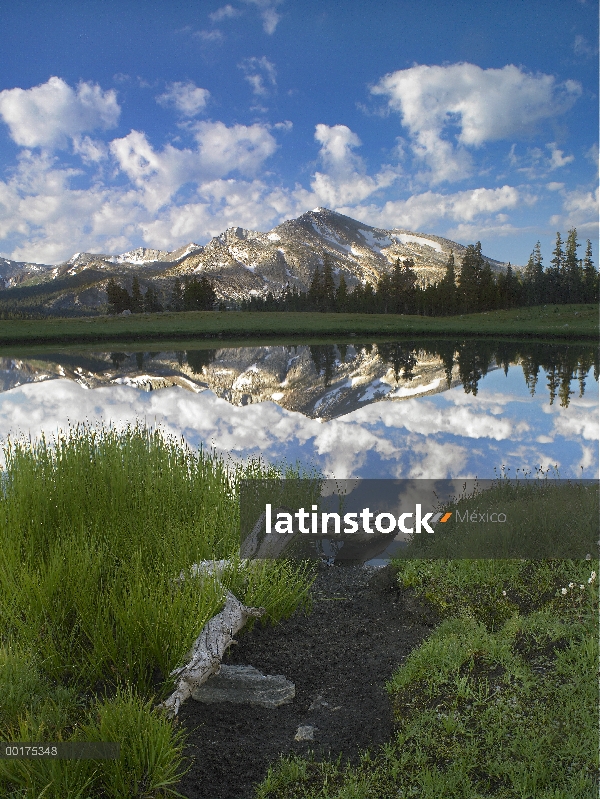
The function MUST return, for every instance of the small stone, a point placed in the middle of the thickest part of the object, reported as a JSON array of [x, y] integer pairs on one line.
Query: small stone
[[245, 685], [317, 703], [305, 733]]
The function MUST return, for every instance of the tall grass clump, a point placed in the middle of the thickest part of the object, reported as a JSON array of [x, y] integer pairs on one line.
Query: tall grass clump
[[96, 527]]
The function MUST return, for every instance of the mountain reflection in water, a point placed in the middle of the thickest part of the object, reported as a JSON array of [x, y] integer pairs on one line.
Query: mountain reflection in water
[[421, 408]]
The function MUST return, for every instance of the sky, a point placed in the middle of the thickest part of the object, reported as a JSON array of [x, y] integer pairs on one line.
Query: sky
[[157, 122]]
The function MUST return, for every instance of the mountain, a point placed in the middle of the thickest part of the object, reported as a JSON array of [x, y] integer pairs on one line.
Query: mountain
[[239, 262]]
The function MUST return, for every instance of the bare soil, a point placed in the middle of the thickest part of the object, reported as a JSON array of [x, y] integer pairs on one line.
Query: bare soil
[[361, 628]]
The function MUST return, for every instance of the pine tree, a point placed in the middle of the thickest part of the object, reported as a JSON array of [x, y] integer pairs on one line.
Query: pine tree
[[534, 277], [555, 277], [119, 299], [137, 298], [328, 285], [151, 303], [447, 287], [470, 277], [177, 296], [572, 269], [315, 291], [341, 295], [590, 276]]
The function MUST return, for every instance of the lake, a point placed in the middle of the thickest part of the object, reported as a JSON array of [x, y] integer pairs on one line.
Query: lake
[[395, 409]]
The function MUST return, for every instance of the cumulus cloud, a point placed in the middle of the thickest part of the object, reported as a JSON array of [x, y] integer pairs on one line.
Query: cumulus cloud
[[187, 98], [268, 12], [476, 105], [52, 113], [580, 210], [44, 218], [421, 210], [344, 179], [241, 148], [260, 74]]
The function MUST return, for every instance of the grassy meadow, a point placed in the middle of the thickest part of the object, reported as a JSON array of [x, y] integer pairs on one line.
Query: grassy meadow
[[560, 321], [95, 528], [499, 702]]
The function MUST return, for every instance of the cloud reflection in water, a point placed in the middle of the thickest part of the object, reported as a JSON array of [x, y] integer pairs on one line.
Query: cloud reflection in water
[[451, 434]]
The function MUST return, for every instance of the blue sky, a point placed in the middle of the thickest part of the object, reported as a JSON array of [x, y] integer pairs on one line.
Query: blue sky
[[157, 123]]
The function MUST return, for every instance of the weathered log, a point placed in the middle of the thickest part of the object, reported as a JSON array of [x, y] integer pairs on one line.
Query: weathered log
[[204, 659]]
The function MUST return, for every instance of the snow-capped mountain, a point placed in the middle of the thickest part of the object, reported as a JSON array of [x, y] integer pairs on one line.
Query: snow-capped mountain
[[244, 262]]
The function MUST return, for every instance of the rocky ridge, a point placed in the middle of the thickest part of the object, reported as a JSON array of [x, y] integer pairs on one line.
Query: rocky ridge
[[242, 263]]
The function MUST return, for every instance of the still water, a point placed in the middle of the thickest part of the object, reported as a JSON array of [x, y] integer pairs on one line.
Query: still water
[[418, 409]]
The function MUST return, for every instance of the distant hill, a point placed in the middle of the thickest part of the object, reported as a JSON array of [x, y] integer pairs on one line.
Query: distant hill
[[240, 263]]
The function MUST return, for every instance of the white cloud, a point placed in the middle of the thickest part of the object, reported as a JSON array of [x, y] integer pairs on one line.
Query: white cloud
[[260, 74], [225, 12], [242, 148], [557, 159], [91, 151], [50, 114], [44, 219], [187, 98], [268, 12], [427, 208], [580, 210], [344, 179], [554, 186], [159, 175], [483, 104]]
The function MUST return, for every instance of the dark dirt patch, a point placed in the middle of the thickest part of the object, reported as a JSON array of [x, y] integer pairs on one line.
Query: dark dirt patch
[[339, 657]]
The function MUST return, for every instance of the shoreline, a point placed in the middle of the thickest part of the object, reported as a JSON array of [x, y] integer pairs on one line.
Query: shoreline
[[564, 323]]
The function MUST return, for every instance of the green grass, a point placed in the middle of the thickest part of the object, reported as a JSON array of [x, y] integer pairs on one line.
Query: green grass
[[95, 528], [562, 321], [548, 518], [500, 702]]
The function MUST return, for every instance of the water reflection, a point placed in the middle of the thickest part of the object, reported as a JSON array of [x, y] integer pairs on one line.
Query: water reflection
[[395, 409]]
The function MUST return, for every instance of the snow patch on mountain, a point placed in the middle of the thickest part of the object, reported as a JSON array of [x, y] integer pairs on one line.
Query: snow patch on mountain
[[407, 238], [375, 241]]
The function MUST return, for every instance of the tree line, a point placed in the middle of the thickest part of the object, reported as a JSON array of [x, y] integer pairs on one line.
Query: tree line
[[191, 295], [568, 279]]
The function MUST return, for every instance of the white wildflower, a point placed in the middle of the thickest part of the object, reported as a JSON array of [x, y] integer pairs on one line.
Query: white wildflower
[[582, 587], [571, 585], [504, 593], [563, 591]]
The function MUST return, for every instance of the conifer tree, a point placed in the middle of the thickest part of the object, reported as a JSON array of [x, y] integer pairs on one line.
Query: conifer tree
[[470, 276], [328, 284], [119, 299], [341, 295], [177, 296], [447, 287], [590, 275], [572, 269], [555, 277], [137, 298], [315, 291]]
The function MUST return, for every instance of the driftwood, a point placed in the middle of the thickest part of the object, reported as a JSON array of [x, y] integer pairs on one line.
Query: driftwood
[[204, 659]]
